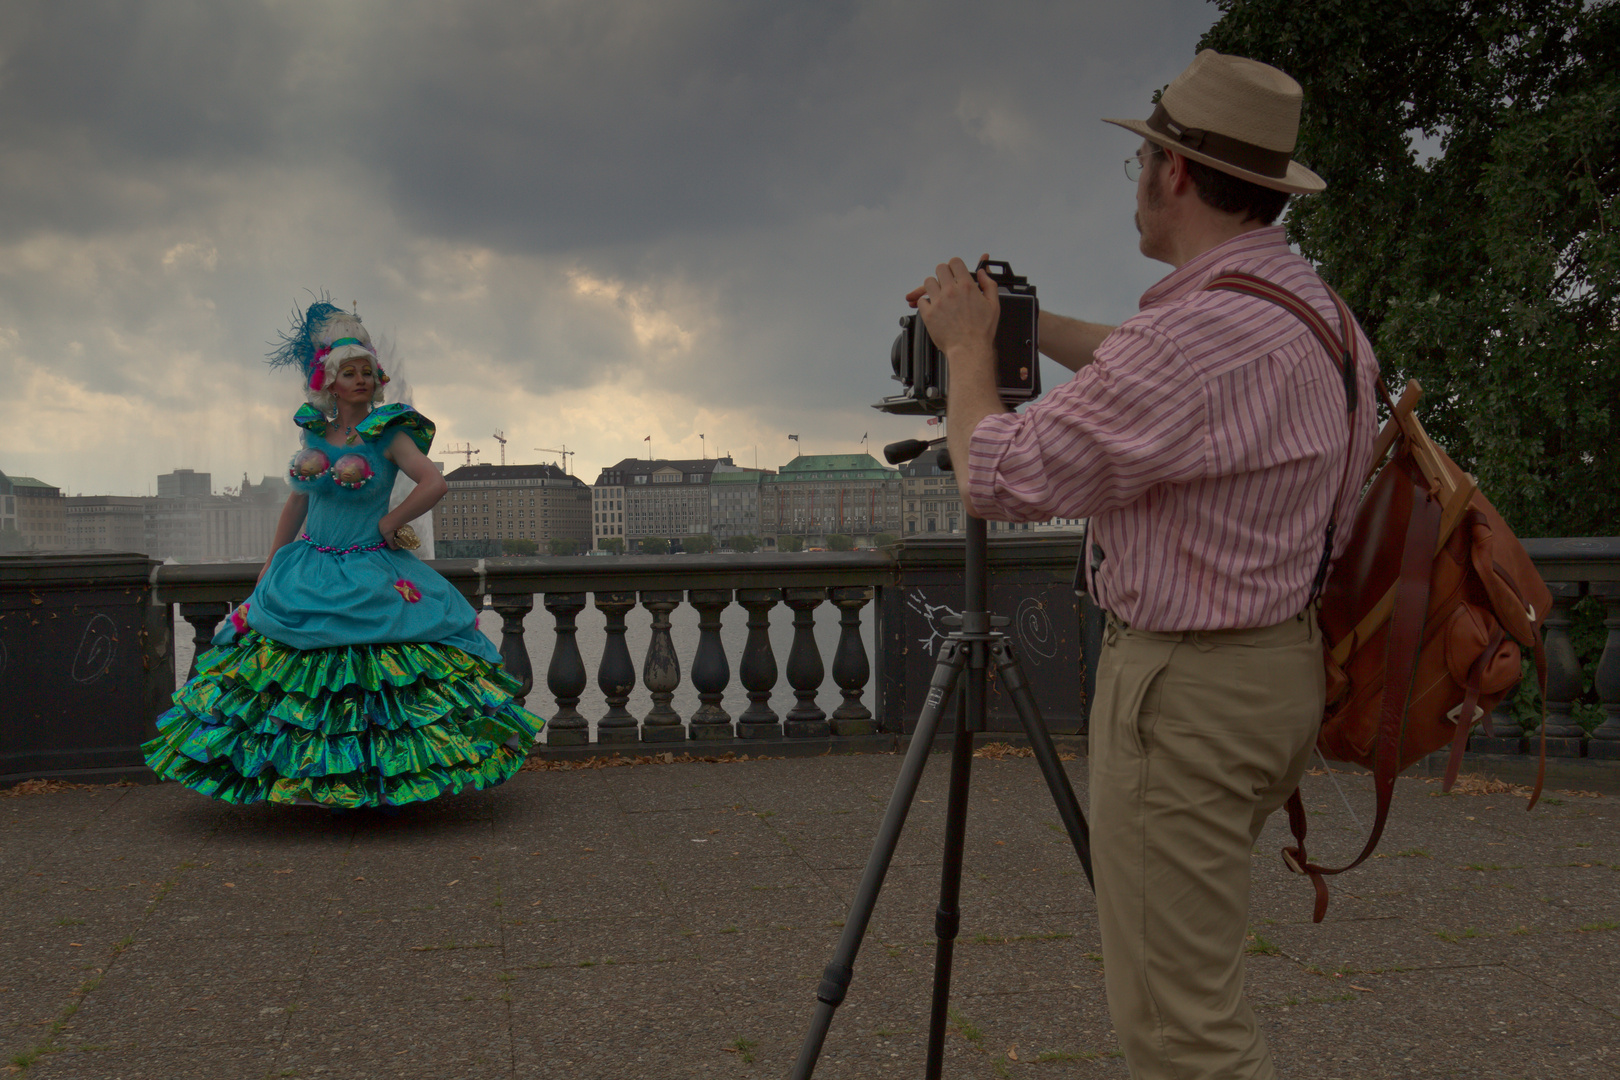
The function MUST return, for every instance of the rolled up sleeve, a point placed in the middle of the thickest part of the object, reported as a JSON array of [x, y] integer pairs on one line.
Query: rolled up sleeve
[[1136, 417]]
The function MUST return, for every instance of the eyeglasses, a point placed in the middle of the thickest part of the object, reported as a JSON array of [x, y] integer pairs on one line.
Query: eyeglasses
[[1135, 163]]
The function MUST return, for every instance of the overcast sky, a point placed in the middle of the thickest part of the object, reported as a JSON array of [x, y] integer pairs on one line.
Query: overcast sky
[[580, 223]]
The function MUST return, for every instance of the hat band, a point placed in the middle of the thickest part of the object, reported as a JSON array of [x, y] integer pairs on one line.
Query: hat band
[[1236, 152]]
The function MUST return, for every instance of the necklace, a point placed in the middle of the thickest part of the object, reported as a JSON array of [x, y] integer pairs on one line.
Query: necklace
[[350, 436]]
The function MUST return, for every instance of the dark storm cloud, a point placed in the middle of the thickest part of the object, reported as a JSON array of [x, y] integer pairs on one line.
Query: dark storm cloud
[[721, 202]]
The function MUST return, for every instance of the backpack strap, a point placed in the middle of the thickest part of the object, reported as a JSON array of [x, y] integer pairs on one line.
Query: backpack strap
[[1342, 351], [1401, 650]]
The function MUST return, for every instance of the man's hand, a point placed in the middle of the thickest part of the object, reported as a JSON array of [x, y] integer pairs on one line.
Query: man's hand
[[961, 311]]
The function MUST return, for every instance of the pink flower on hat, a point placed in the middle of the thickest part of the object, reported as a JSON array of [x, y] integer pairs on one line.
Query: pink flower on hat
[[407, 590]]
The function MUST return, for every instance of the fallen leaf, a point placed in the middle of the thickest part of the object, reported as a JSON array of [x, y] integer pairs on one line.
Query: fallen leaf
[[283, 871], [455, 882], [77, 944], [1363, 989], [230, 884], [1012, 1053]]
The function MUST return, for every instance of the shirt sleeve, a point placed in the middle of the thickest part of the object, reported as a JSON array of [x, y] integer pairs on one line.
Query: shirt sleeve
[[1135, 417]]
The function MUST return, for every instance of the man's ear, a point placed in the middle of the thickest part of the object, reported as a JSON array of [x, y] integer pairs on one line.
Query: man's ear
[[1178, 180]]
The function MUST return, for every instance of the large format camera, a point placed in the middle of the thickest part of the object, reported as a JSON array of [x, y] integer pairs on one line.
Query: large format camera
[[920, 367]]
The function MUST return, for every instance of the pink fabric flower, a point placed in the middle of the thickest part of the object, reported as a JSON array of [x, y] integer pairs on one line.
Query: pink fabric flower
[[410, 592], [239, 617], [317, 378]]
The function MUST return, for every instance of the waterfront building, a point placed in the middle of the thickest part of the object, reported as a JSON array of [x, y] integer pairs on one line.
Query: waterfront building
[[235, 527], [933, 503], [185, 483], [734, 499], [106, 522], [514, 502], [664, 497], [819, 495], [607, 514], [35, 510]]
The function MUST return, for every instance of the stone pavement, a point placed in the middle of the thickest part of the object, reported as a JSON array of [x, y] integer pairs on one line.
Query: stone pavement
[[672, 920]]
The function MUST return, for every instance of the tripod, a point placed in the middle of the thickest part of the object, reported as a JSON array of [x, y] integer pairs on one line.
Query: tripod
[[974, 644]]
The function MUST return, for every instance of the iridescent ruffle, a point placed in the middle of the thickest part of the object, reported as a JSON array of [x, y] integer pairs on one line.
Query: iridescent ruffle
[[346, 726]]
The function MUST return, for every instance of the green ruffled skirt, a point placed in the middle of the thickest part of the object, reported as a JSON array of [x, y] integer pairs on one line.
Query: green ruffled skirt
[[347, 726]]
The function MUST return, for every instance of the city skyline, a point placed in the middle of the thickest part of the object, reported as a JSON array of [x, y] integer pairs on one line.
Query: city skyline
[[578, 224]]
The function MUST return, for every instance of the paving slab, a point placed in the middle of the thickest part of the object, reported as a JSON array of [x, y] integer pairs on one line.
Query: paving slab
[[673, 920]]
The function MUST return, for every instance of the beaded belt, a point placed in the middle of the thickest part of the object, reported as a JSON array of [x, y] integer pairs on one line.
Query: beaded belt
[[323, 549]]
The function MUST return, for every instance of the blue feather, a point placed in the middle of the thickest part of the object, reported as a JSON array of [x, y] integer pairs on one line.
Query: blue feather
[[295, 349]]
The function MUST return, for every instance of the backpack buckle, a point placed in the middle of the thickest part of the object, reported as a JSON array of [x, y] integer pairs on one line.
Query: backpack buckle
[[1456, 711]]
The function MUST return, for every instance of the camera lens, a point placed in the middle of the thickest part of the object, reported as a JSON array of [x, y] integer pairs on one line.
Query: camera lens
[[897, 357]]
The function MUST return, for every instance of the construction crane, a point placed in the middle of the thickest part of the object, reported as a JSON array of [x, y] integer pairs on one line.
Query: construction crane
[[565, 452], [466, 450], [500, 438]]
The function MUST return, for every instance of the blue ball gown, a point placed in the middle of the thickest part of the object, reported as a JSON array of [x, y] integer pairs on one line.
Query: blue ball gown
[[353, 675]]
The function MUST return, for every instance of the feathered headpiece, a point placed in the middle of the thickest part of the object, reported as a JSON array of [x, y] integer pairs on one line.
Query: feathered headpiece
[[321, 338]]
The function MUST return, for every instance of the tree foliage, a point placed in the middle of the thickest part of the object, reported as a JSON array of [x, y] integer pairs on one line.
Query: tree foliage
[[559, 545], [745, 543], [840, 542], [614, 545], [513, 545], [697, 544], [789, 542], [1489, 272], [654, 545]]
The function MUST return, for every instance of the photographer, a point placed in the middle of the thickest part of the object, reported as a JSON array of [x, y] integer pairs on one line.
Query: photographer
[[1207, 440]]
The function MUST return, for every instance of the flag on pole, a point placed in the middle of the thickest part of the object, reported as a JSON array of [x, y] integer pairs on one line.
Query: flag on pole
[[646, 438], [795, 438]]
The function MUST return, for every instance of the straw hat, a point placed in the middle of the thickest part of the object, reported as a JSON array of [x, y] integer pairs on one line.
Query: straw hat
[[1236, 115]]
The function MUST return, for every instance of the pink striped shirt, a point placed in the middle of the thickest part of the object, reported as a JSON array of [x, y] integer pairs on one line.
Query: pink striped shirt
[[1206, 443]]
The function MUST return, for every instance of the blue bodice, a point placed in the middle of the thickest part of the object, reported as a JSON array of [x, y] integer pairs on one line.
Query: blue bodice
[[338, 583]]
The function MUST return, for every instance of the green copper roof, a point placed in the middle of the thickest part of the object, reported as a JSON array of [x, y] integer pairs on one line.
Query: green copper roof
[[834, 467]]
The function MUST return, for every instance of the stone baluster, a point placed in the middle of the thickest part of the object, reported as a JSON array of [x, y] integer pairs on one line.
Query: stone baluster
[[204, 617], [661, 673], [758, 668], [513, 608], [710, 671], [1509, 734], [616, 675], [851, 668], [804, 668], [1563, 673], [1605, 741], [565, 675]]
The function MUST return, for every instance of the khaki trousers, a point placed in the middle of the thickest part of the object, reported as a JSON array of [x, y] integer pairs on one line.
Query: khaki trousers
[[1195, 739]]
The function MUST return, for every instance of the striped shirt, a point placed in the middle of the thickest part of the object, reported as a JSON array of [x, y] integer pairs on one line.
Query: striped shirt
[[1206, 442]]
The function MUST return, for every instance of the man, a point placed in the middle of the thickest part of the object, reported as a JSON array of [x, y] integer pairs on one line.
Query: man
[[1207, 439]]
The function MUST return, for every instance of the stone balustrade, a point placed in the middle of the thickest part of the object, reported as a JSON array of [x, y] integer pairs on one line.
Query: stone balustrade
[[1573, 568], [85, 650]]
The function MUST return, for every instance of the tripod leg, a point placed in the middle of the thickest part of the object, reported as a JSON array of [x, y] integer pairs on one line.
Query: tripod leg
[[1011, 673], [835, 979], [948, 917]]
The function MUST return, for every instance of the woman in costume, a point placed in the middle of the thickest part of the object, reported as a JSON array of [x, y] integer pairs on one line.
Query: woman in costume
[[353, 675]]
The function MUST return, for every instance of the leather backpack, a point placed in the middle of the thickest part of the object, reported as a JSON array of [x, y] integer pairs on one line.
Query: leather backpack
[[1424, 617]]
